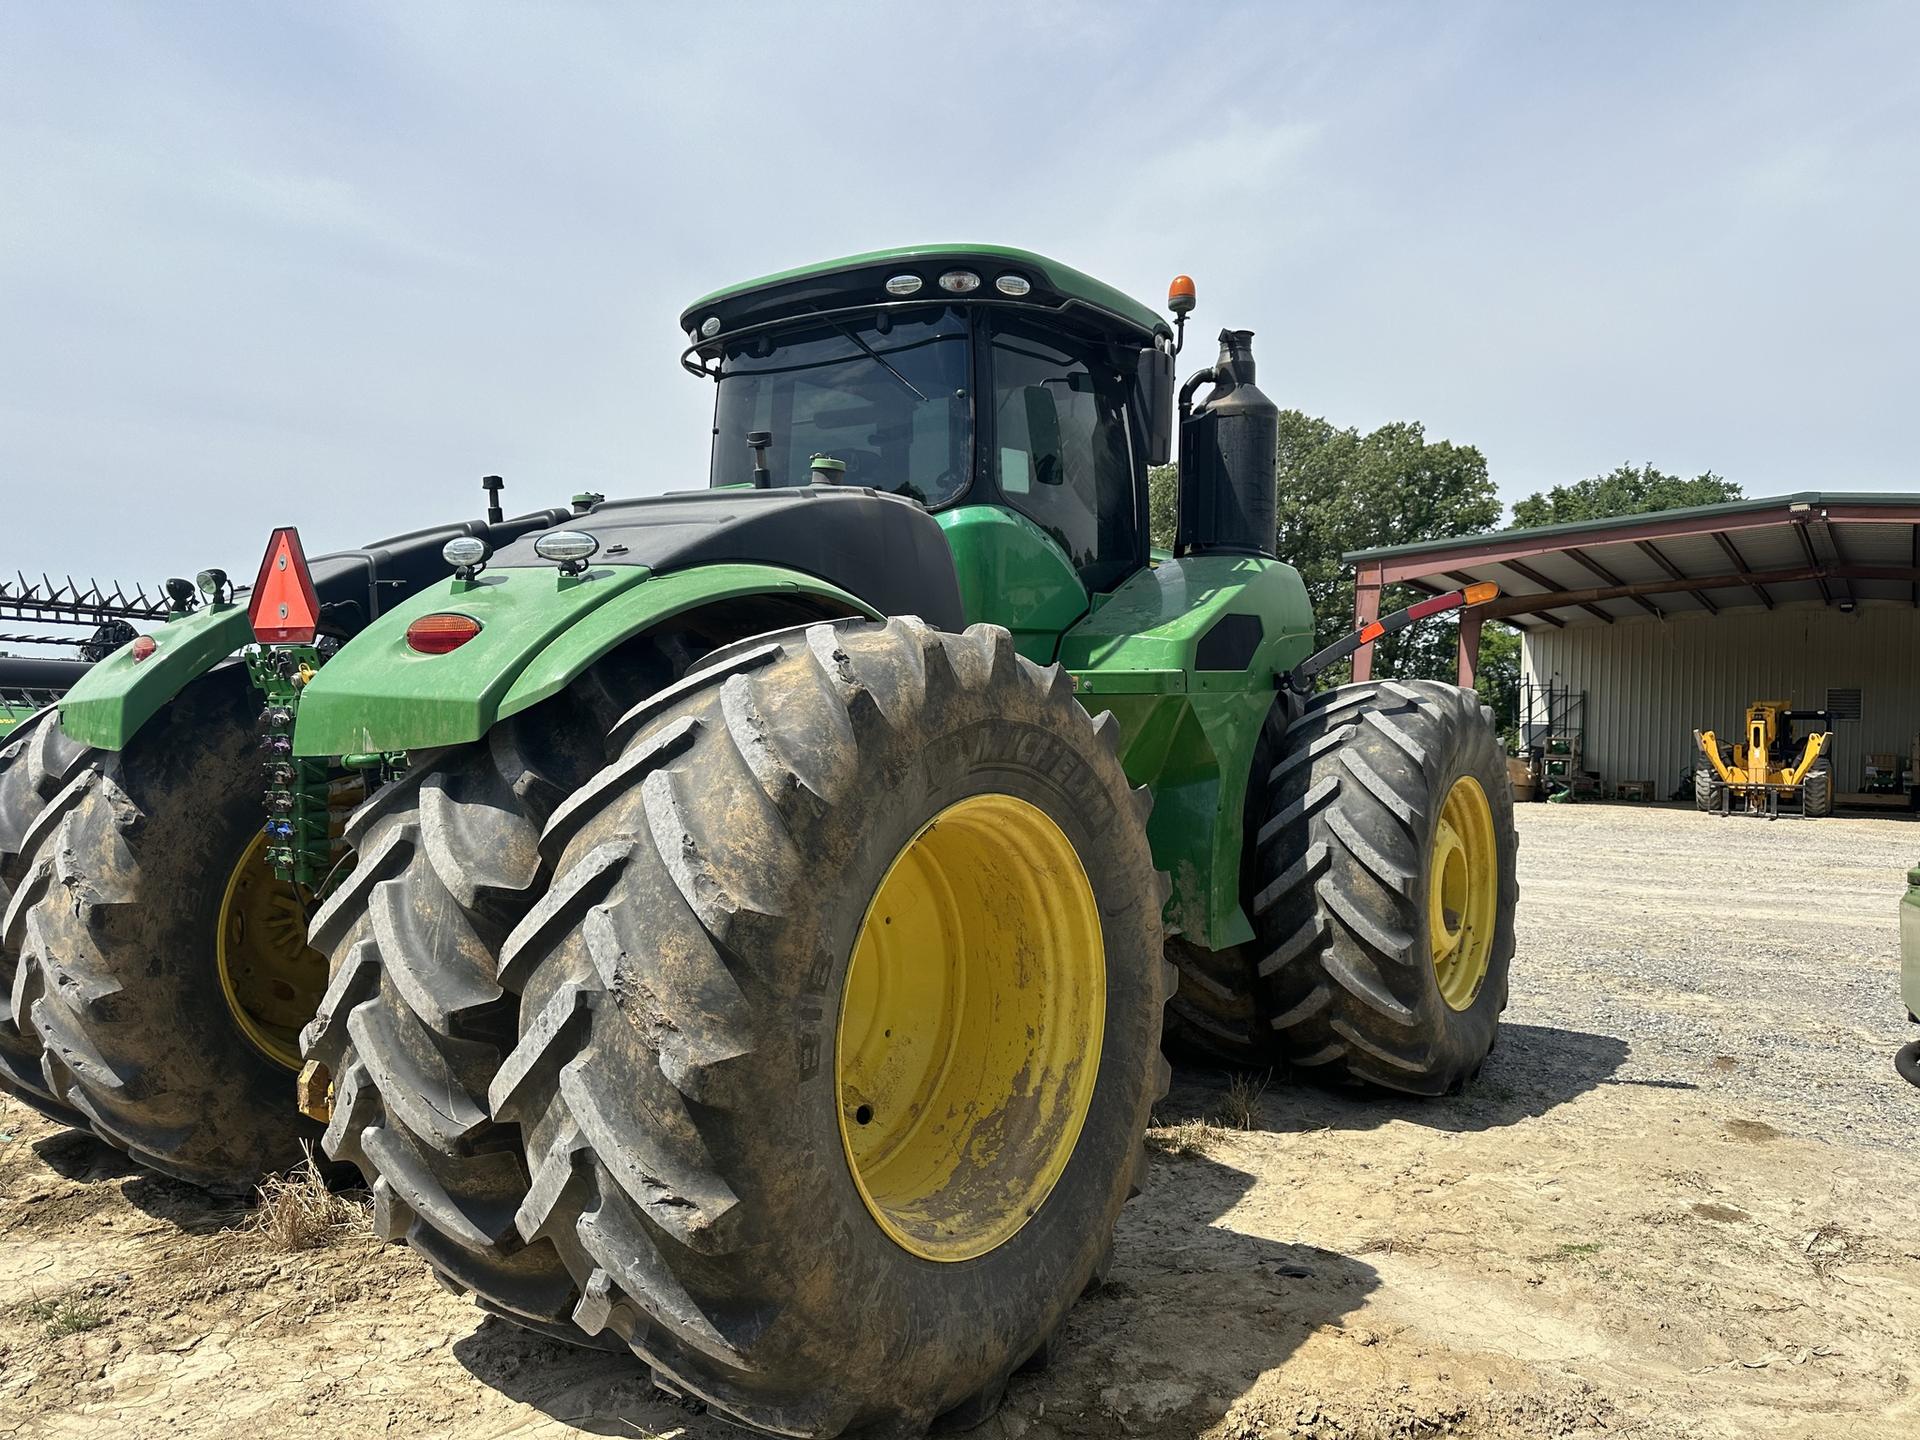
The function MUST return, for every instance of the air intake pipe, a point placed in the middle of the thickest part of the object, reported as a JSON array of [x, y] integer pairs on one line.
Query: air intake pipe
[[1228, 478]]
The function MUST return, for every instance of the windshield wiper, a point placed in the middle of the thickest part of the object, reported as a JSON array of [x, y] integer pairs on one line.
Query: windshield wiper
[[879, 360]]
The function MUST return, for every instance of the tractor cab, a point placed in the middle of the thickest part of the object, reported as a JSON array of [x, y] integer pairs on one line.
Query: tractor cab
[[955, 377]]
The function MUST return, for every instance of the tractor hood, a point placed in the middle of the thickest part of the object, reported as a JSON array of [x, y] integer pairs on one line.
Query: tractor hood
[[885, 549]]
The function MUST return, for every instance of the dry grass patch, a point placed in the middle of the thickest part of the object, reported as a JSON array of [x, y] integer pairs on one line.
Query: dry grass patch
[[1242, 1108], [1187, 1138], [299, 1212]]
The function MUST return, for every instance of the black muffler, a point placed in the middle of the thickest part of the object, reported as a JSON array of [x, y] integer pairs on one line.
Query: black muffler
[[1228, 479]]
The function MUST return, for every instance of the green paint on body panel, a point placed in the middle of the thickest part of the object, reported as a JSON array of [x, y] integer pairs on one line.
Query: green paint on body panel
[[120, 694], [1187, 733], [379, 694], [1012, 574], [539, 630]]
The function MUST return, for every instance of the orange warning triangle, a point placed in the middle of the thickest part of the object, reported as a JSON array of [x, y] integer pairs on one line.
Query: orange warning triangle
[[284, 610]]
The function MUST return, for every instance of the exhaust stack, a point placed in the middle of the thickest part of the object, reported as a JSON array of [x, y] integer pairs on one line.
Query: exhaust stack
[[1228, 479]]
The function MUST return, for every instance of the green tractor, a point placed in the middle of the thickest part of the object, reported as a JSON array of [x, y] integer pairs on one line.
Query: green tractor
[[737, 926]]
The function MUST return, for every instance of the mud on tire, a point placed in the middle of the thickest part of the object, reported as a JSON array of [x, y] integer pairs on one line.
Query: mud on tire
[[676, 1069], [112, 926], [37, 763], [413, 1025], [1348, 979]]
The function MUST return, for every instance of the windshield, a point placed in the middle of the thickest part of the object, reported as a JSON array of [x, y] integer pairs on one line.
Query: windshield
[[888, 395]]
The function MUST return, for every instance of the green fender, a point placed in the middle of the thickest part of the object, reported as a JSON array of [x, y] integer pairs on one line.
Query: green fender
[[116, 697], [539, 629], [1012, 573], [1189, 732]]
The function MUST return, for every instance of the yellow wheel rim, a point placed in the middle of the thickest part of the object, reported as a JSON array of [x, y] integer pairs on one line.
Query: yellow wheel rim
[[1463, 892], [273, 982], [970, 1028]]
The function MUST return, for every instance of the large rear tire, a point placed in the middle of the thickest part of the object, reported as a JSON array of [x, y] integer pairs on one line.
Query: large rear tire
[[157, 969], [784, 1157], [36, 763], [1387, 887], [413, 1025]]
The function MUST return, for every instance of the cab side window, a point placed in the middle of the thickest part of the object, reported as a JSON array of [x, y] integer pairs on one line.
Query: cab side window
[[1063, 454]]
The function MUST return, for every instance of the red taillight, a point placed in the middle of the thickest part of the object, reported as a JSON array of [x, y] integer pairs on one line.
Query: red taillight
[[437, 634], [143, 646]]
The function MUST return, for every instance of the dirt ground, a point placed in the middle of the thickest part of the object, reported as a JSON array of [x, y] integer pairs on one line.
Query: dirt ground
[[1679, 1202]]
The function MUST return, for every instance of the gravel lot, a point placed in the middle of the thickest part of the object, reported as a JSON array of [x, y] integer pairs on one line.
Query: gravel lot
[[1679, 1203]]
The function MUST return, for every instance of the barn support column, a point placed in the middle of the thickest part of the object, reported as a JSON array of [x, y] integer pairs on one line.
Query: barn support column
[[1469, 646], [1366, 610]]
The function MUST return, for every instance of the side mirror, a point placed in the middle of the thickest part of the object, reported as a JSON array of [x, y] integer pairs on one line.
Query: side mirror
[[1153, 382], [1043, 434]]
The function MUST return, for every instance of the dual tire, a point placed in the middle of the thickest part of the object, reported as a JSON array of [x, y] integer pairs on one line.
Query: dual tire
[[1380, 875], [122, 942], [844, 979]]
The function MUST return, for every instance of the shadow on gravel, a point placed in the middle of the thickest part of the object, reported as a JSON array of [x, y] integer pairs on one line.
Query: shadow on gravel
[[1125, 1362], [1533, 1069]]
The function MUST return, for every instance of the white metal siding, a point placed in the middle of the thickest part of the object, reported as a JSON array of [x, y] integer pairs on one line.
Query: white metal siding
[[1650, 683]]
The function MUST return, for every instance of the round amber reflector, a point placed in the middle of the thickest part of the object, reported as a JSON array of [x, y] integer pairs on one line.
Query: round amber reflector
[[437, 634]]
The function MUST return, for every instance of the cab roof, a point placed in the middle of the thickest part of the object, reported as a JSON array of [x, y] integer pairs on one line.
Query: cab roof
[[852, 279]]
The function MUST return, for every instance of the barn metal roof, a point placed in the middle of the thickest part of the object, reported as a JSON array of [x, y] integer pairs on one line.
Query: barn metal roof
[[1812, 548]]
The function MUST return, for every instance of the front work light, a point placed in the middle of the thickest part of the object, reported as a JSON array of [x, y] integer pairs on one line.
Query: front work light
[[570, 549], [465, 552]]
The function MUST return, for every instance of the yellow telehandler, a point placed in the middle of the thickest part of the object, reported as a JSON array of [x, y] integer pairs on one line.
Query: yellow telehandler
[[1771, 767]]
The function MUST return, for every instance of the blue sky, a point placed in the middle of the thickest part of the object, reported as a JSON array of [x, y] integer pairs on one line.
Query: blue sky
[[328, 264]]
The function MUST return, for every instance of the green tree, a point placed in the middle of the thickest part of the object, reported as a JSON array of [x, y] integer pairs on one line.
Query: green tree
[[1163, 486], [1626, 490]]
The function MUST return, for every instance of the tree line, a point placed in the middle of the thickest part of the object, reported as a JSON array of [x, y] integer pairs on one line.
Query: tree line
[[1341, 491]]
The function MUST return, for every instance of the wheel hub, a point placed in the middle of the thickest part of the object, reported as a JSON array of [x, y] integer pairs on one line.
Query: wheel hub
[[970, 1028], [271, 979], [1463, 885]]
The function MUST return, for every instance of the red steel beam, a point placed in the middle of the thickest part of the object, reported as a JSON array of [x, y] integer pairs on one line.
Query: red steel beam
[[1806, 548], [1653, 553], [1827, 546], [1612, 579], [1635, 528], [1508, 605], [1534, 577], [1740, 563], [1367, 585]]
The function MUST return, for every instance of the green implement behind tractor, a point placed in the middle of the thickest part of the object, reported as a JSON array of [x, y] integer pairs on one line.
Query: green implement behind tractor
[[736, 925]]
